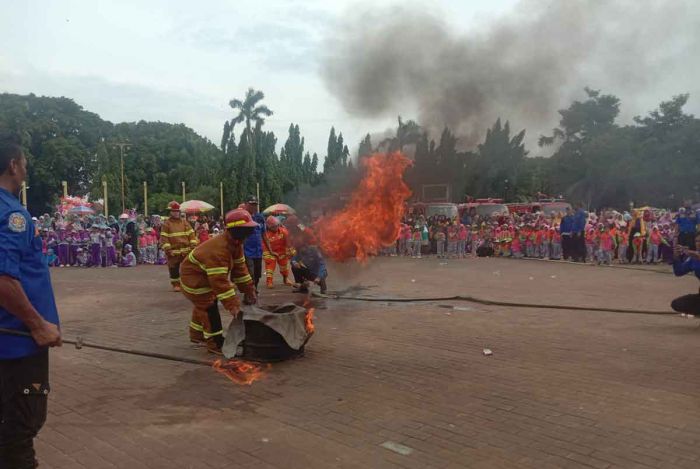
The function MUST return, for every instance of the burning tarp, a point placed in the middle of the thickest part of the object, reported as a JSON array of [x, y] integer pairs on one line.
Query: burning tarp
[[372, 218], [269, 334]]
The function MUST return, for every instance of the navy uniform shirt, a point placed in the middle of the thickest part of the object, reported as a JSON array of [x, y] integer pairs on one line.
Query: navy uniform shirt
[[21, 258], [685, 266], [253, 243]]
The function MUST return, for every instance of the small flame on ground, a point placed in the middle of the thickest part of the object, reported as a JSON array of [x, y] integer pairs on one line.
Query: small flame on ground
[[372, 218], [309, 318], [240, 371], [310, 328]]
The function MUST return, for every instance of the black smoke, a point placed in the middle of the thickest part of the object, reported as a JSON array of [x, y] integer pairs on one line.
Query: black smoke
[[522, 67]]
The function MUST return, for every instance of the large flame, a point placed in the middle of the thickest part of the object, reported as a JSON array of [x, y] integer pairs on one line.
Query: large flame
[[372, 218], [239, 371]]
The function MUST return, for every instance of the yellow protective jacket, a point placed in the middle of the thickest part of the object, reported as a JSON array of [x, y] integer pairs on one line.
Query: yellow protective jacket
[[177, 237], [207, 271]]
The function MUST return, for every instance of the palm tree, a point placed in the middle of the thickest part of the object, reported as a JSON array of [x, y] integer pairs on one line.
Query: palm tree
[[249, 111]]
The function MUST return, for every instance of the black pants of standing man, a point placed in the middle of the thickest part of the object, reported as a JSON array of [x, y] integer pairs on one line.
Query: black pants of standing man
[[24, 390], [254, 269]]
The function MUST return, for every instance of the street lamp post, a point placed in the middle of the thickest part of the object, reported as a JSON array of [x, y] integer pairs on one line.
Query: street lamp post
[[122, 146]]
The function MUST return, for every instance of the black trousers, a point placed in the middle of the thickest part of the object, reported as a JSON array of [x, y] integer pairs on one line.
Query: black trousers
[[566, 247], [578, 248], [689, 304], [215, 323], [254, 269], [24, 390]]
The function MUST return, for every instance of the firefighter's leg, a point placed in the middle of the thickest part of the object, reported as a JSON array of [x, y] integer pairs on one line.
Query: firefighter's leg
[[174, 270], [196, 328], [269, 270], [213, 330], [284, 270], [196, 325]]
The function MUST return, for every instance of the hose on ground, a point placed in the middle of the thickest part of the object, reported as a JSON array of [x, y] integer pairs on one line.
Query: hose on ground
[[473, 299]]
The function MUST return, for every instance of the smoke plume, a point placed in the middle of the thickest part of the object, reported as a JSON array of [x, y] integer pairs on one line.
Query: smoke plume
[[522, 67]]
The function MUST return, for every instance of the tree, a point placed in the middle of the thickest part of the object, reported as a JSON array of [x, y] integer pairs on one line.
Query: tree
[[494, 170], [249, 112], [365, 148]]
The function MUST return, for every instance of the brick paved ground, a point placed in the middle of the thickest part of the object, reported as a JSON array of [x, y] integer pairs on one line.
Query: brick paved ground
[[562, 389]]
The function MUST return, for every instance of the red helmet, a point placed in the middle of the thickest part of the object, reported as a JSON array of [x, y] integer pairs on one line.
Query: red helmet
[[173, 206], [239, 218]]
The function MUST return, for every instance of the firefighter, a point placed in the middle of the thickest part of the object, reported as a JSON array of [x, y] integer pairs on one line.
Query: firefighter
[[205, 279], [177, 239], [276, 250]]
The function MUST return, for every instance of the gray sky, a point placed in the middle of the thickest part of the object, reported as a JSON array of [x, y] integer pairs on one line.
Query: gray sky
[[182, 61]]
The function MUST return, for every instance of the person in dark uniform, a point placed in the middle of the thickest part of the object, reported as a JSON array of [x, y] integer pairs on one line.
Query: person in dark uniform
[[686, 261], [578, 236], [566, 228], [254, 243], [26, 305]]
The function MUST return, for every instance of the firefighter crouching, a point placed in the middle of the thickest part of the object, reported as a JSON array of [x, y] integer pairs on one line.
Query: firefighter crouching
[[276, 250], [204, 278], [177, 239]]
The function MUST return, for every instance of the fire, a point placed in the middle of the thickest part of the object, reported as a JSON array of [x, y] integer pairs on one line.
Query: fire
[[309, 318], [239, 371], [372, 218], [310, 328]]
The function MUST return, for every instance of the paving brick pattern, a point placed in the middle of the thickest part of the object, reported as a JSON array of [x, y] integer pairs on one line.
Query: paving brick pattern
[[562, 388]]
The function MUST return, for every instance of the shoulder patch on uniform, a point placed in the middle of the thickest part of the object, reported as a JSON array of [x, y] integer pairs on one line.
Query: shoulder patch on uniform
[[17, 223]]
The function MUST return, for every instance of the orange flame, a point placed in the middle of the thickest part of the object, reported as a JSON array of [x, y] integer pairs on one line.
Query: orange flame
[[310, 328], [239, 371], [372, 218], [309, 318]]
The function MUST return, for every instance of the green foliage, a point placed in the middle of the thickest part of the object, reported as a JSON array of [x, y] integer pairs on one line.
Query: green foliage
[[600, 163], [595, 162], [158, 202]]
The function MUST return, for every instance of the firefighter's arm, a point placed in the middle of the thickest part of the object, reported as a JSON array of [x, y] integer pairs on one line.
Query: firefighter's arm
[[267, 250], [242, 278], [266, 246], [217, 270], [165, 237]]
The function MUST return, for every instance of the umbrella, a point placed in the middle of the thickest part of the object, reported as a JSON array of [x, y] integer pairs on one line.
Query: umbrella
[[279, 209], [195, 206], [81, 210]]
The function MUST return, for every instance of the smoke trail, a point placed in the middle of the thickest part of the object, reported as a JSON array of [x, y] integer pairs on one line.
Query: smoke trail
[[522, 67]]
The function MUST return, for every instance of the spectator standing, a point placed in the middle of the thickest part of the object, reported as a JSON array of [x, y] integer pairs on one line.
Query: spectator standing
[[26, 305], [566, 228], [687, 223], [253, 243], [578, 235]]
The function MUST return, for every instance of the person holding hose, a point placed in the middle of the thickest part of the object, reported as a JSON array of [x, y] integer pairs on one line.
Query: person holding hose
[[26, 305], [684, 262]]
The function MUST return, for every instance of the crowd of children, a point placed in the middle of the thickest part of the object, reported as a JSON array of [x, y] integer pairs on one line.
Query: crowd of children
[[97, 241], [644, 236]]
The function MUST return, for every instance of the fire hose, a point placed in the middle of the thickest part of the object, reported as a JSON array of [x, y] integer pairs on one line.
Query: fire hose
[[473, 299], [80, 343]]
